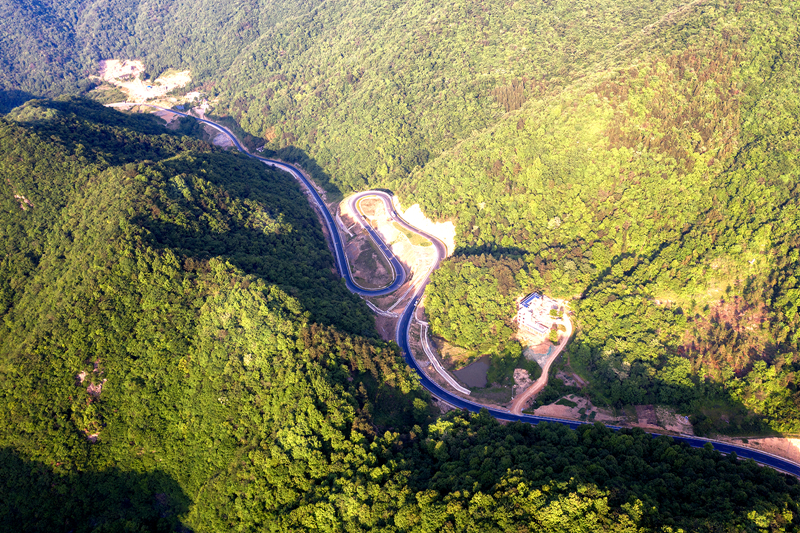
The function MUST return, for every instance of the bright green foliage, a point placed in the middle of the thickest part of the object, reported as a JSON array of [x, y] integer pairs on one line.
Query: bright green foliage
[[370, 91], [662, 195], [158, 298], [157, 375], [471, 302]]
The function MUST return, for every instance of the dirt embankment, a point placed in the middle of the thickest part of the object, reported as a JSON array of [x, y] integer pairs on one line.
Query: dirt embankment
[[369, 267], [786, 447], [444, 231]]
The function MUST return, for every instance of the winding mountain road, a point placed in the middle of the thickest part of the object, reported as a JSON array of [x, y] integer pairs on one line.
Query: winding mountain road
[[773, 461]]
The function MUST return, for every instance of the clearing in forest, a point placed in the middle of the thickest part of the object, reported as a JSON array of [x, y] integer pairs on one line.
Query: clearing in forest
[[131, 78]]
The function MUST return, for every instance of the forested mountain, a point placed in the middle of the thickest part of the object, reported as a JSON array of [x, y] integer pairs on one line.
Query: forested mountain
[[641, 159], [663, 197], [50, 48], [176, 350], [167, 364]]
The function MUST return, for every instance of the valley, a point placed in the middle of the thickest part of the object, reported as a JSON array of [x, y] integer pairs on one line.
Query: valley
[[415, 267], [408, 313]]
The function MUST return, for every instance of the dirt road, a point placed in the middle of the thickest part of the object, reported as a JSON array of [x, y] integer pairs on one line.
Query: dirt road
[[521, 400]]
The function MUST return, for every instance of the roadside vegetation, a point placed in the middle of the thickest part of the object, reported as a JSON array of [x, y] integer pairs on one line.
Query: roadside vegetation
[[176, 351], [156, 375]]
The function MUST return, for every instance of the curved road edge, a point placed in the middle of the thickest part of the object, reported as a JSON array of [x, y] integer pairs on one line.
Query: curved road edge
[[766, 459], [352, 205]]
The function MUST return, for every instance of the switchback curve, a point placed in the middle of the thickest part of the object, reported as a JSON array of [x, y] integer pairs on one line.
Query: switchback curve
[[767, 459]]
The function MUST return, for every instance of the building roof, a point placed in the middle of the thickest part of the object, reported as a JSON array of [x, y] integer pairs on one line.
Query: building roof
[[527, 301]]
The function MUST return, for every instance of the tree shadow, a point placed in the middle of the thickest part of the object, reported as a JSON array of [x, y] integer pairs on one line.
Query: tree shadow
[[118, 138], [288, 250], [11, 98], [39, 497], [511, 252], [290, 154]]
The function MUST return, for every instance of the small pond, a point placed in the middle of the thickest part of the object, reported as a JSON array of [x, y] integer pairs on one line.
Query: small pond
[[474, 374]]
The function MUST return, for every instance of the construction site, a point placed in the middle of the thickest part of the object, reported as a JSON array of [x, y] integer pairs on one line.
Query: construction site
[[537, 316]]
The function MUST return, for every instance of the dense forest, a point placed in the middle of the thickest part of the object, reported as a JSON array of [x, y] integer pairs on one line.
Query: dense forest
[[159, 374], [51, 48], [178, 353], [662, 198], [638, 158]]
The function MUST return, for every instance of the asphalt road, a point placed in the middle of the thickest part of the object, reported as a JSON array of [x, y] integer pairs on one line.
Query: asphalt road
[[403, 325], [399, 271]]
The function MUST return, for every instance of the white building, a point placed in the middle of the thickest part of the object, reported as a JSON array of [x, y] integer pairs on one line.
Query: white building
[[533, 314]]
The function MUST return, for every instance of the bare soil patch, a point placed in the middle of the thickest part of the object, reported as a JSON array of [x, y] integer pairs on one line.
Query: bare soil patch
[[453, 357], [444, 231], [386, 327], [217, 138], [128, 75], [539, 352], [369, 267], [647, 415], [582, 410], [522, 380]]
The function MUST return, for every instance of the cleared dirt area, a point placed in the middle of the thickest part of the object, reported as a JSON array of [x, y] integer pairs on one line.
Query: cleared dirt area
[[369, 267], [128, 75], [522, 380], [444, 231], [386, 327], [579, 408], [217, 138], [171, 119]]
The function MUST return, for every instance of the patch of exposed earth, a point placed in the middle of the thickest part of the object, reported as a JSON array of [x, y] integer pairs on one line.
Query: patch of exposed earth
[[129, 76], [444, 231], [453, 357], [648, 417], [583, 407], [386, 326], [540, 352], [369, 267], [661, 418], [522, 380]]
